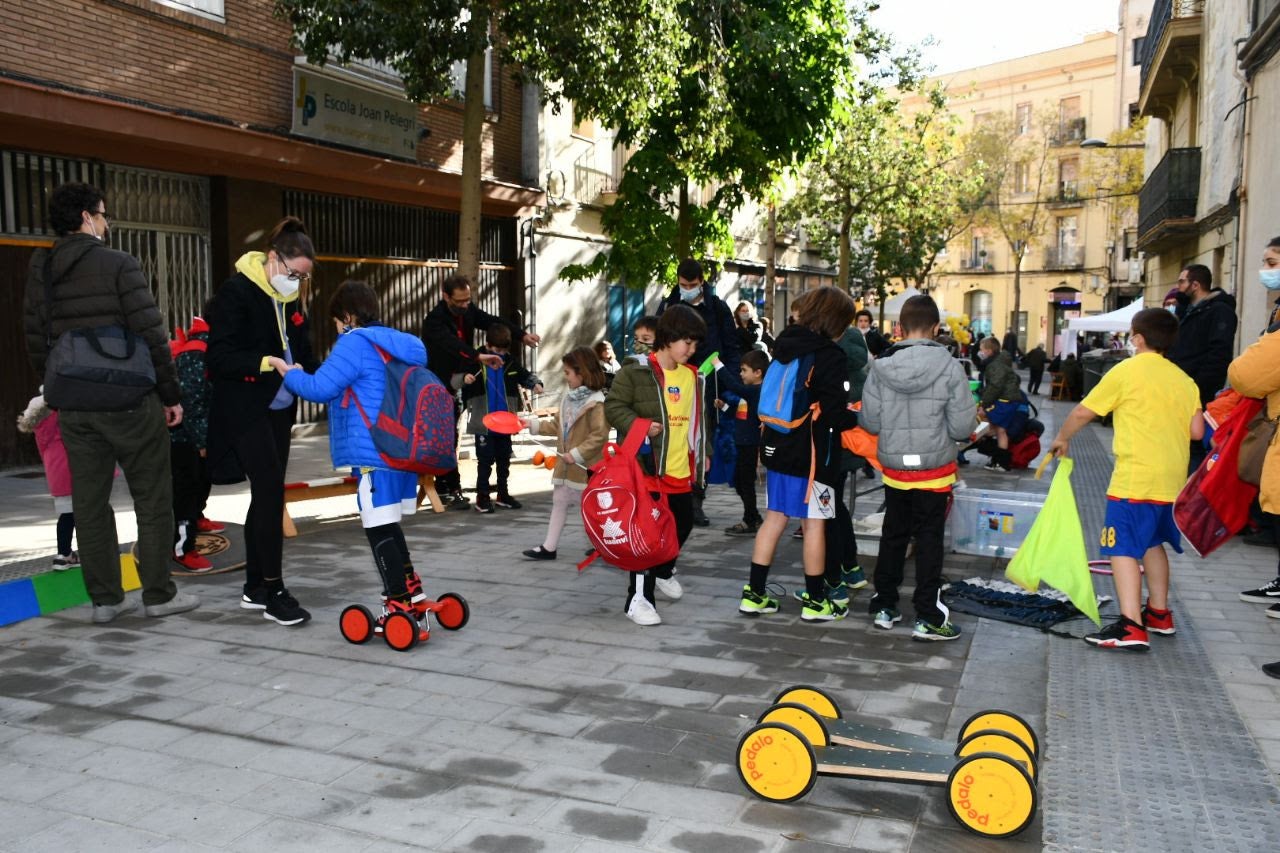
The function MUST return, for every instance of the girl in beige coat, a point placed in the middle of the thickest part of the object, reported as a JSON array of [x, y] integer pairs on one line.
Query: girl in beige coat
[[581, 432]]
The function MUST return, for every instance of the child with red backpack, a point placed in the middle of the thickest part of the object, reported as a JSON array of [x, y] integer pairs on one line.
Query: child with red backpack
[[803, 419], [667, 391], [351, 381], [42, 421], [188, 443]]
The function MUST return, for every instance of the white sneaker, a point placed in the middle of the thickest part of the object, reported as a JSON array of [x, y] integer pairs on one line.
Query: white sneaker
[[670, 588], [641, 612]]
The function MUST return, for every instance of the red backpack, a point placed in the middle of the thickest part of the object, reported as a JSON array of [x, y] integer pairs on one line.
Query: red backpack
[[627, 524], [1024, 451]]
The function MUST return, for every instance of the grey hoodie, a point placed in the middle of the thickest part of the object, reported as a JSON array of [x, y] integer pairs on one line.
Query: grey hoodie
[[917, 400]]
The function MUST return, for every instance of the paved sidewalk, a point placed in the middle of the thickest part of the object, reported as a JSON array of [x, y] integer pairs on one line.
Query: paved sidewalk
[[551, 723]]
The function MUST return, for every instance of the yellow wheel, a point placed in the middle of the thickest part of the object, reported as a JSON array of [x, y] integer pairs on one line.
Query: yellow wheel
[[801, 718], [991, 795], [776, 762], [1003, 743], [1005, 722], [812, 698]]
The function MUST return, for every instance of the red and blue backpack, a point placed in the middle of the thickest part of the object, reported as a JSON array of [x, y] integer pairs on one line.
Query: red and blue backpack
[[416, 428]]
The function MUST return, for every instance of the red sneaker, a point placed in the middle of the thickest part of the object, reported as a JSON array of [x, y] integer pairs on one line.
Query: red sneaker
[[391, 606], [1122, 634], [193, 562], [417, 598], [208, 525], [1157, 621]]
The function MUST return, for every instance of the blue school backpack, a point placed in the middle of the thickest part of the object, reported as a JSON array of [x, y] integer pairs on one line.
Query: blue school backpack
[[784, 395], [416, 429]]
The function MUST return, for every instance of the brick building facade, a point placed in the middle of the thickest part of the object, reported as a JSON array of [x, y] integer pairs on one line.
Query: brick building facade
[[185, 112]]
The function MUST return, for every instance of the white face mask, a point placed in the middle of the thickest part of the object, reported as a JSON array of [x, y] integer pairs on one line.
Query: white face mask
[[284, 285], [1130, 348], [1172, 309], [690, 295]]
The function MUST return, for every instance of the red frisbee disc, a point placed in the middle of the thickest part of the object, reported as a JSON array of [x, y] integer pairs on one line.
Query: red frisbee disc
[[503, 422]]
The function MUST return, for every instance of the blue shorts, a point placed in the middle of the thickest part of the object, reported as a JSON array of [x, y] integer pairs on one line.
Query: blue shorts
[[1133, 528], [384, 497], [786, 494], [1007, 415]]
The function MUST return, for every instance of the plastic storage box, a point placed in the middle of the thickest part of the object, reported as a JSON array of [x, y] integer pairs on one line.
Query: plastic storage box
[[989, 523]]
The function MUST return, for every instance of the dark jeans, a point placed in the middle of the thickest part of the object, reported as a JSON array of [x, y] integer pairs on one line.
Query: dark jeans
[[907, 513], [682, 508], [492, 451], [744, 481], [136, 439], [842, 547], [1033, 384], [189, 494], [264, 457]]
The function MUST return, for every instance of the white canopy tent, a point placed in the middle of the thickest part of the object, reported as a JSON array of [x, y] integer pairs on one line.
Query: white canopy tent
[[893, 305], [1113, 321]]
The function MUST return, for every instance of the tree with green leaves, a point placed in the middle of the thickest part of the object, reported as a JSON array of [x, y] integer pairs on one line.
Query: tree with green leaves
[[757, 85], [888, 189], [615, 59]]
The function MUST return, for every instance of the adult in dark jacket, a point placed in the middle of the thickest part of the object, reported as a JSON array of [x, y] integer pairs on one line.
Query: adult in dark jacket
[[876, 342], [448, 331], [94, 286], [1010, 344], [1035, 362], [256, 315], [722, 337], [1206, 338], [750, 332]]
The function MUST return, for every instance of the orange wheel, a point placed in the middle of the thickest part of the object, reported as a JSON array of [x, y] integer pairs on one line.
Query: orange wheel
[[400, 631], [538, 457], [550, 463], [356, 624], [453, 612]]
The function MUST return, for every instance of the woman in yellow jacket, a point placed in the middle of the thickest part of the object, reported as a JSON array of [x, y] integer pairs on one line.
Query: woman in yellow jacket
[[1256, 373]]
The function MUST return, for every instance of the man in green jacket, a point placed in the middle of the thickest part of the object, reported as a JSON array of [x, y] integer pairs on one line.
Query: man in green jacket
[[92, 287]]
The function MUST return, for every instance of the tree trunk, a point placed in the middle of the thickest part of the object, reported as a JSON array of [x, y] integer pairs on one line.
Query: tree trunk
[[1017, 298], [770, 265], [684, 225], [472, 149], [846, 251]]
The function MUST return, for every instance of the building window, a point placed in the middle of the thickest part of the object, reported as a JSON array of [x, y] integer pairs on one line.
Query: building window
[[1022, 118], [460, 79], [204, 8], [1137, 49], [1068, 168], [1066, 233], [1022, 177]]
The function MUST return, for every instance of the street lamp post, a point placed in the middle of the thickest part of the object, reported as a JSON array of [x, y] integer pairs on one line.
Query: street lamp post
[[1094, 142]]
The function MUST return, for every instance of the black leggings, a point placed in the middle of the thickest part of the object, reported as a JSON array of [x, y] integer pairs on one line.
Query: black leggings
[[391, 556], [264, 457], [682, 508]]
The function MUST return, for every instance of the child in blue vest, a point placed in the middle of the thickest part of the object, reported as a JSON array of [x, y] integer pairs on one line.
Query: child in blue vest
[[742, 393], [354, 372], [487, 390]]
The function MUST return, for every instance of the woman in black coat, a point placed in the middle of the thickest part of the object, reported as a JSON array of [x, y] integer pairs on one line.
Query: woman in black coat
[[255, 315]]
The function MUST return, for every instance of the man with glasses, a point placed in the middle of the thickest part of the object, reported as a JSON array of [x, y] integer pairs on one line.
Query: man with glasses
[[448, 331], [93, 287], [1206, 338]]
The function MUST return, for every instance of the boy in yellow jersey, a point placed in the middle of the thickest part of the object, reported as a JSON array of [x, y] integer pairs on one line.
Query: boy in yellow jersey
[[666, 390], [1157, 413], [917, 400]]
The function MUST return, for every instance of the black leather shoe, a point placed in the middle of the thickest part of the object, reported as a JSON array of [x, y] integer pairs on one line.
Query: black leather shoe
[[1272, 669], [539, 553]]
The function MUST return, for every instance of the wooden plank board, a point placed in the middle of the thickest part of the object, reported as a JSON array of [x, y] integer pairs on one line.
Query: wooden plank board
[[883, 764]]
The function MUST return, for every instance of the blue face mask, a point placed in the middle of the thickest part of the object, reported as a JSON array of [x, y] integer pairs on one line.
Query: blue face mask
[[691, 294], [1270, 278]]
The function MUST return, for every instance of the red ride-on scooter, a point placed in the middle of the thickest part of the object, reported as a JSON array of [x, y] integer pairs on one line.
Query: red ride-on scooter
[[401, 630]]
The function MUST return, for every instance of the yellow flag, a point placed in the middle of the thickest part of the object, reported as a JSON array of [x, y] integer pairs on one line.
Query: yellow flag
[[1053, 552]]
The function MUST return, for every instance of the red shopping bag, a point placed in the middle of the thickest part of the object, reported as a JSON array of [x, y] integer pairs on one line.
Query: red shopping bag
[[1214, 504]]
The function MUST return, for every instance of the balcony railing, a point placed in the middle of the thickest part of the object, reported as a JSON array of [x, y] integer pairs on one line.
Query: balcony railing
[[1162, 13], [1170, 192], [1064, 258], [977, 263], [1069, 131], [1068, 193]]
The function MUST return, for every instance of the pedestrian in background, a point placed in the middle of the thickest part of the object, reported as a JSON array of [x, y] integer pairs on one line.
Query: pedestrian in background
[[94, 287], [42, 422], [255, 316], [448, 332]]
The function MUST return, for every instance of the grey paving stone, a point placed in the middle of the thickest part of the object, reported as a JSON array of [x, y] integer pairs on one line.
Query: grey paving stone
[[562, 724], [286, 835], [490, 836], [691, 804], [20, 821], [697, 836], [305, 801], [397, 821], [802, 820], [91, 836], [207, 823], [491, 802], [608, 823], [307, 765]]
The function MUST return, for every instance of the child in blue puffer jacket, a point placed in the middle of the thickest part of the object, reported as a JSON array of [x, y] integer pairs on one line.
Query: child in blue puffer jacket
[[354, 368]]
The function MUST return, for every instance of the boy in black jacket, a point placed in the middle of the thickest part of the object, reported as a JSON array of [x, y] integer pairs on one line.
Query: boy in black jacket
[[742, 392], [802, 463]]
